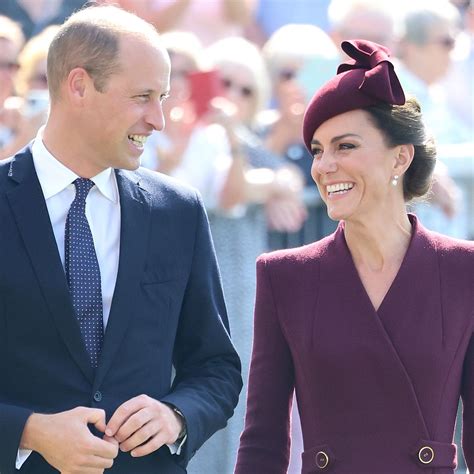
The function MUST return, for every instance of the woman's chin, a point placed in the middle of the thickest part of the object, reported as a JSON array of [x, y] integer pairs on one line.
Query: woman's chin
[[336, 214]]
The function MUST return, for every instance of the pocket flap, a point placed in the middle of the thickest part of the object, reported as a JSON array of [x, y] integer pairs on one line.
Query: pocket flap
[[432, 454]]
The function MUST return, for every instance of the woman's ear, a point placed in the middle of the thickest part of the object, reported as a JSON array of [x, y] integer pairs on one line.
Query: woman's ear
[[403, 158]]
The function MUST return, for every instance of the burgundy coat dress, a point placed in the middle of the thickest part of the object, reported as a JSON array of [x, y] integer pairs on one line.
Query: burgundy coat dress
[[377, 391]]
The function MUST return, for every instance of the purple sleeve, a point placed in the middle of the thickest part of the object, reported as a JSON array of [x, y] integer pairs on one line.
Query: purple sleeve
[[265, 442]]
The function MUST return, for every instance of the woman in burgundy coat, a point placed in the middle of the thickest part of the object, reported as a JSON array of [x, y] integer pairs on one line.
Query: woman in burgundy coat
[[373, 325]]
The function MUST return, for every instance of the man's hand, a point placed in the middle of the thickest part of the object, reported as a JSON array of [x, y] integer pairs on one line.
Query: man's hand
[[142, 425], [65, 441]]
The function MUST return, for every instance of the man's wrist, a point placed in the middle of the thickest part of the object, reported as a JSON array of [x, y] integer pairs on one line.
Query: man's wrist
[[179, 414], [31, 432], [184, 429]]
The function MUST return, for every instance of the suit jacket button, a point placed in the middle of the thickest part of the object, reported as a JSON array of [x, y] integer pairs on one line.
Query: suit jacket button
[[426, 454], [322, 460], [98, 396]]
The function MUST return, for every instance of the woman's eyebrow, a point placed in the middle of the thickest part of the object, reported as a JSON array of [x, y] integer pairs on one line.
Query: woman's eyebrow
[[335, 139]]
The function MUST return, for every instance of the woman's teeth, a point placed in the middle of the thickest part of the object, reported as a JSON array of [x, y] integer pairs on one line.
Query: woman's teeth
[[339, 188]]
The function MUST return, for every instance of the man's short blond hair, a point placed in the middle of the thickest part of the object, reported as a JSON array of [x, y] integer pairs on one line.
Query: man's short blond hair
[[90, 39]]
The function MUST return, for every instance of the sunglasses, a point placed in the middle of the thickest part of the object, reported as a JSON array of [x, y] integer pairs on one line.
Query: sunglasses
[[447, 42], [43, 78], [286, 75], [244, 91], [9, 66]]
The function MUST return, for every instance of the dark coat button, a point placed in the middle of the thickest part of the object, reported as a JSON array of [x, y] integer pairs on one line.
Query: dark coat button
[[426, 454], [322, 460], [98, 396]]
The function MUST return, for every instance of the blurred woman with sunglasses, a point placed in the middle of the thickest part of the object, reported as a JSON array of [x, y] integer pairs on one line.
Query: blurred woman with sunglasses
[[425, 52], [429, 32]]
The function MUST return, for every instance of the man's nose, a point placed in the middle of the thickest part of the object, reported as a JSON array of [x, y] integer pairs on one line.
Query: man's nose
[[155, 116]]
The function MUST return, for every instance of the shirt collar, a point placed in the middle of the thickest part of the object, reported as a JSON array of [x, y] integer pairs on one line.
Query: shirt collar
[[54, 177]]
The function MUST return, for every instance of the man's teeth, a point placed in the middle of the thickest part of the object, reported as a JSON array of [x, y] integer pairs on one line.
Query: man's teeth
[[138, 139], [339, 187]]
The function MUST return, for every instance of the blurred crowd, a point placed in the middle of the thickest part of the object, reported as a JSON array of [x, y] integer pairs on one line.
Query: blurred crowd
[[242, 73]]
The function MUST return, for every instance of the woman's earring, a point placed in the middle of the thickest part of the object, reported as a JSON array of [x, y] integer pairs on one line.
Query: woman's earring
[[395, 180]]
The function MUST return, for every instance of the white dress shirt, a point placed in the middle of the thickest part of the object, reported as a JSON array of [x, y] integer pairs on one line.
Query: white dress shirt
[[56, 181]]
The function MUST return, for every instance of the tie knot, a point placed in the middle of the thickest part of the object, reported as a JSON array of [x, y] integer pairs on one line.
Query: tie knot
[[83, 186]]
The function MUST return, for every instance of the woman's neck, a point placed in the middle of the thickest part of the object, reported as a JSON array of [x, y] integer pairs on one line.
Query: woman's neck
[[379, 242]]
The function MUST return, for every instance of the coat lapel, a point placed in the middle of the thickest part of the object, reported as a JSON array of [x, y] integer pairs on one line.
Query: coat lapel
[[31, 214], [134, 233], [420, 271]]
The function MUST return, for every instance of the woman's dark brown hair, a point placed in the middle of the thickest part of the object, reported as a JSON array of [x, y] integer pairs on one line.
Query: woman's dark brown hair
[[403, 124]]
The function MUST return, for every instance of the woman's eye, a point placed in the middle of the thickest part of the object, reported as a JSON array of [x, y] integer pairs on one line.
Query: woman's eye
[[316, 152], [346, 146]]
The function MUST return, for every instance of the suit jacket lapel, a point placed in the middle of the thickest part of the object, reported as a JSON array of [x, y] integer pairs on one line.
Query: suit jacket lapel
[[134, 233], [31, 214]]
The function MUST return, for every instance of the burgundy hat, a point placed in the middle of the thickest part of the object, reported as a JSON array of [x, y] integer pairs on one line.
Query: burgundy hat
[[368, 79]]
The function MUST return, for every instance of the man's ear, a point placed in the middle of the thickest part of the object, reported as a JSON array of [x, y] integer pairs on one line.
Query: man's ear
[[77, 83], [403, 158]]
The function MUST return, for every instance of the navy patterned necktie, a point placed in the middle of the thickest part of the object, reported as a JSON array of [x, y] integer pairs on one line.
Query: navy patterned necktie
[[83, 272]]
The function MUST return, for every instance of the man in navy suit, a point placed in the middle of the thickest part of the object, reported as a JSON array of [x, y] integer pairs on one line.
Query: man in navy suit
[[76, 400]]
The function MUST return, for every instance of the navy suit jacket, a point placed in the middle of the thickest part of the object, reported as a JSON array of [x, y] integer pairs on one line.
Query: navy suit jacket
[[167, 310]]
